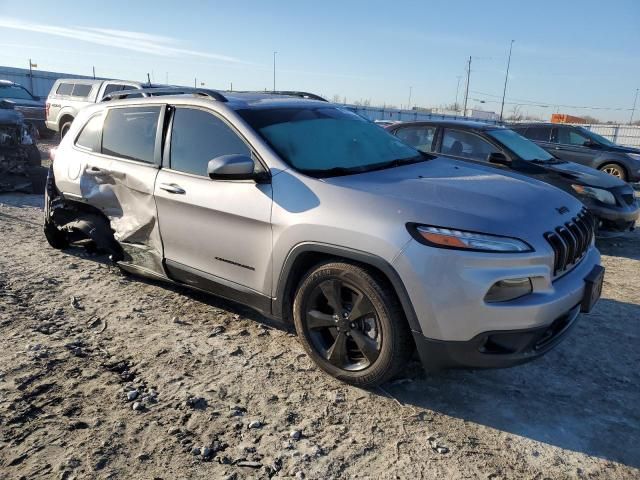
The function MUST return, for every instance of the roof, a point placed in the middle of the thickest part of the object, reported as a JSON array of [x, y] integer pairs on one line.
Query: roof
[[469, 124]]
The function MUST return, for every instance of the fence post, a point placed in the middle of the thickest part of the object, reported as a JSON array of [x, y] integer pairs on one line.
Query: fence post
[[615, 133]]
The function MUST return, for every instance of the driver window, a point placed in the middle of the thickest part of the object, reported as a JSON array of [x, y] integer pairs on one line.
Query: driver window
[[420, 138], [197, 137], [467, 145], [569, 136]]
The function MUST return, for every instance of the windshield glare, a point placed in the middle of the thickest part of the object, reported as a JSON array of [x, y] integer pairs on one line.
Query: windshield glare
[[595, 137], [317, 140], [522, 147], [14, 91]]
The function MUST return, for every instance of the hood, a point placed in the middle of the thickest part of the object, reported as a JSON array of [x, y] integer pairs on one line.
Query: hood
[[559, 172], [451, 193], [623, 149], [25, 103]]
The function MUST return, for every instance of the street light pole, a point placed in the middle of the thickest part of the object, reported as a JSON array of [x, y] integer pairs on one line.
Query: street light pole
[[455, 105], [409, 103], [506, 77], [466, 93], [274, 71], [633, 110]]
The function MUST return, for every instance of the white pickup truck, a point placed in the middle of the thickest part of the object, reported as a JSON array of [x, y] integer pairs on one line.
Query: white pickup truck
[[69, 95]]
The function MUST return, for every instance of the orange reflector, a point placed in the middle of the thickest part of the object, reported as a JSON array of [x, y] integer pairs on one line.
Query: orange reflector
[[444, 240]]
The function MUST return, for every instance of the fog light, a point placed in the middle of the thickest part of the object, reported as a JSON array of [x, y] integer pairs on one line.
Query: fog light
[[506, 290]]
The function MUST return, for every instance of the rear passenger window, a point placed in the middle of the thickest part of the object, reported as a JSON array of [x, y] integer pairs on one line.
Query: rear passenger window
[[467, 145], [89, 137], [131, 133], [64, 89], [198, 137], [81, 90], [421, 138]]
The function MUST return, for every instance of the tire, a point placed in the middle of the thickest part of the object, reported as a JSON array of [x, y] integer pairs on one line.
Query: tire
[[614, 170], [55, 238], [365, 348], [64, 128], [33, 155]]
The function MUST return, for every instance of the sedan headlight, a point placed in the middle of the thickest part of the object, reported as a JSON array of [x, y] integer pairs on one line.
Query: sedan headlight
[[634, 156], [599, 194], [463, 240]]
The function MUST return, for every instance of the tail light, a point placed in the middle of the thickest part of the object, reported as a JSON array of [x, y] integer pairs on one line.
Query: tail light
[[46, 109]]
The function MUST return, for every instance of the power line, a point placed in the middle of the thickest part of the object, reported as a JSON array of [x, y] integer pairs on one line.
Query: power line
[[545, 104]]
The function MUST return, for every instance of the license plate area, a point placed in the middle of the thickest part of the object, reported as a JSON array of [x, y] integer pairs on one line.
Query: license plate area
[[592, 289]]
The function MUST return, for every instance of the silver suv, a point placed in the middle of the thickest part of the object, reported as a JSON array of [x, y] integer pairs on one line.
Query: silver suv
[[308, 213]]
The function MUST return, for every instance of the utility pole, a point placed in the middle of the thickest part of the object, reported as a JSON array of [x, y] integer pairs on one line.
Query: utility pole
[[506, 77], [274, 71], [31, 73], [195, 82], [466, 93], [94, 72], [148, 79], [455, 105], [633, 110], [409, 103]]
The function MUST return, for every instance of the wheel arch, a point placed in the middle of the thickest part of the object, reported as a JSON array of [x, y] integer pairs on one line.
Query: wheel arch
[[305, 255]]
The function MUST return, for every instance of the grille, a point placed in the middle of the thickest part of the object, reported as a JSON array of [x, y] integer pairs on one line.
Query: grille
[[31, 113], [571, 241]]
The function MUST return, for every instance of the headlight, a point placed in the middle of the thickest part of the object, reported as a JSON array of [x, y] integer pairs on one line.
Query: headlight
[[603, 196], [634, 156], [463, 240]]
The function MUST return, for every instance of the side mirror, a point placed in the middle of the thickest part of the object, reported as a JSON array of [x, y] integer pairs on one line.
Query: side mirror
[[231, 167], [498, 158]]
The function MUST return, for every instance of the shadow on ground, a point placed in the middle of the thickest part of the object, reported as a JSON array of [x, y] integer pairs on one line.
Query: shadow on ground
[[582, 396]]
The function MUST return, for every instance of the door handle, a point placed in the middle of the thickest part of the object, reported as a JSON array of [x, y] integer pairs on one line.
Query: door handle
[[171, 188]]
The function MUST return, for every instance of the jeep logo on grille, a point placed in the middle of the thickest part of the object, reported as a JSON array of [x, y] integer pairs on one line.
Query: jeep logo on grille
[[562, 210]]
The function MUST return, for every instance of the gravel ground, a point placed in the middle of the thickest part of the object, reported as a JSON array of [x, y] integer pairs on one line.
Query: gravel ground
[[104, 375]]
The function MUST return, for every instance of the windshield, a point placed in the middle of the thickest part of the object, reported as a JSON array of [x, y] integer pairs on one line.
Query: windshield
[[14, 91], [522, 147], [596, 138], [328, 141]]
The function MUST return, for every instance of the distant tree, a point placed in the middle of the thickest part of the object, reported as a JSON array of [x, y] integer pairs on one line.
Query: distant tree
[[516, 114], [336, 99], [590, 119]]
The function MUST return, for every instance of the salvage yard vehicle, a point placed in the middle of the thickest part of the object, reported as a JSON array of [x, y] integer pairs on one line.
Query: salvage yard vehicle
[[69, 95], [310, 214], [609, 199], [579, 145], [30, 106]]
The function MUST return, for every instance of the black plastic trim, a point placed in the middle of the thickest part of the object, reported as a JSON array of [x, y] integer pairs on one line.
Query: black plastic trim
[[350, 254]]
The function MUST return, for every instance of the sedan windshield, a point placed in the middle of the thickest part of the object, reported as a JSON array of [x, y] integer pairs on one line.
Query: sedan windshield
[[329, 141], [522, 147], [14, 91]]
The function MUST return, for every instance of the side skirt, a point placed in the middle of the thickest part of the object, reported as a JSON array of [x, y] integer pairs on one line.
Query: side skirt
[[220, 287]]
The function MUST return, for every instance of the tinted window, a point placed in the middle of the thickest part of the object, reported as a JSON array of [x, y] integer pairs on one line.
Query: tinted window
[[131, 133], [569, 136], [420, 138], [541, 134], [90, 135], [467, 145], [325, 141], [81, 90], [113, 87], [64, 89], [198, 137]]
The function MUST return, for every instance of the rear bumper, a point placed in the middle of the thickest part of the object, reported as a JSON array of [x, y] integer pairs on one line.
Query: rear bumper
[[496, 349]]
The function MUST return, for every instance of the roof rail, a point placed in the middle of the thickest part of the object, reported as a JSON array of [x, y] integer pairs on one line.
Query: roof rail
[[293, 93], [158, 91]]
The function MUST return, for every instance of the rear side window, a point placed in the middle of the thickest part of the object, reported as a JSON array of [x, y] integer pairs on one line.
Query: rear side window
[[540, 134], [131, 133], [421, 138], [64, 89], [197, 137], [81, 90], [89, 137], [467, 145]]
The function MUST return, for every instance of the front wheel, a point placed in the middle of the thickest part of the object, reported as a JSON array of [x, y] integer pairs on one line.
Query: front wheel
[[615, 170], [351, 324]]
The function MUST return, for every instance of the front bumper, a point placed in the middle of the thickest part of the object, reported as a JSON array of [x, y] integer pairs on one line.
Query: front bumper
[[496, 349], [615, 219]]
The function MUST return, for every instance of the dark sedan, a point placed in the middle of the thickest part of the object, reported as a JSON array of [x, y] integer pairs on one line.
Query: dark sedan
[[610, 199], [579, 145]]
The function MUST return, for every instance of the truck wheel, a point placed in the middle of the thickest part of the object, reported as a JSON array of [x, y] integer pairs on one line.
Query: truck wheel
[[64, 128], [33, 155], [351, 324], [615, 170], [55, 237]]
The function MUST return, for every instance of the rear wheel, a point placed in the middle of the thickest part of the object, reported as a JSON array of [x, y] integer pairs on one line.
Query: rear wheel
[[615, 170], [351, 324]]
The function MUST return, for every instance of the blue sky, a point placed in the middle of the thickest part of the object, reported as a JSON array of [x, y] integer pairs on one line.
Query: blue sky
[[573, 53]]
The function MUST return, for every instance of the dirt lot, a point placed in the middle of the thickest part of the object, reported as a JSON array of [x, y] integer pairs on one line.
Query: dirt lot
[[224, 393]]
